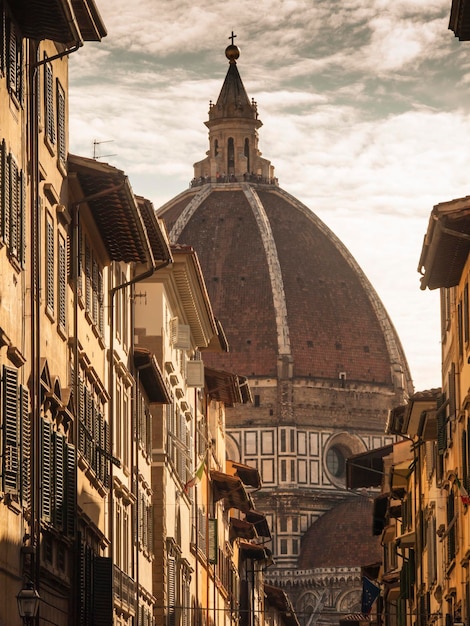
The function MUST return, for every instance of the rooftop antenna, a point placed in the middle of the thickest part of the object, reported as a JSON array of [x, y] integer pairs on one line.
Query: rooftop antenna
[[98, 143]]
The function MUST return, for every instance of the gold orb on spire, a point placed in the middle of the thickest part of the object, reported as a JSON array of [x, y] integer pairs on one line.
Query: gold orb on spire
[[232, 52]]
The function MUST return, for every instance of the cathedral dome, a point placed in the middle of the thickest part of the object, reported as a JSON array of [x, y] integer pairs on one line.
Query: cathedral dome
[[291, 298]]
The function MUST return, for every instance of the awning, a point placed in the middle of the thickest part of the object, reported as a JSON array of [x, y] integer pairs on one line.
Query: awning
[[230, 489], [241, 528], [107, 192], [255, 552], [366, 469], [400, 474], [151, 376], [58, 21], [260, 523], [248, 475], [407, 540], [279, 600], [222, 386]]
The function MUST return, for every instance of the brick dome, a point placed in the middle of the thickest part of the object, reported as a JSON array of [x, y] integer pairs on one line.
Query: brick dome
[[342, 537], [284, 287]]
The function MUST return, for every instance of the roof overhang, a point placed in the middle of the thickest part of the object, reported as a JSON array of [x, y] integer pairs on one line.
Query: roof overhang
[[107, 192], [255, 552], [151, 376], [459, 21], [446, 244], [156, 231], [194, 296], [366, 469], [63, 21]]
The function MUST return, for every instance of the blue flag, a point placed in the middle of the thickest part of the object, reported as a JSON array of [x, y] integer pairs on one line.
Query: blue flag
[[370, 592]]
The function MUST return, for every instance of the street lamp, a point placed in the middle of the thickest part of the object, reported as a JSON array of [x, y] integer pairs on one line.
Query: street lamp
[[28, 602]]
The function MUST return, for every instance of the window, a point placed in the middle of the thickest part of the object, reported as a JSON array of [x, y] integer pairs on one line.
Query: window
[[61, 133], [283, 546], [62, 281], [336, 462], [50, 264], [14, 61], [50, 130], [12, 205]]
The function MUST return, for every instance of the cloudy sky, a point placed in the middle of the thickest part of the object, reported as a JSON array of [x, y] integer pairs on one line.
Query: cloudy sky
[[365, 110]]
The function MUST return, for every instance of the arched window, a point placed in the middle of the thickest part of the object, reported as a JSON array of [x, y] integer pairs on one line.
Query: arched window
[[230, 156], [216, 147], [246, 152]]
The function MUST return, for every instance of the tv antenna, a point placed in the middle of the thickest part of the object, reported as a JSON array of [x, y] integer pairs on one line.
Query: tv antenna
[[95, 151]]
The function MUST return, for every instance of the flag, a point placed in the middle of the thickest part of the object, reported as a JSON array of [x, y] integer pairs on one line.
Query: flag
[[463, 492], [370, 592], [197, 476]]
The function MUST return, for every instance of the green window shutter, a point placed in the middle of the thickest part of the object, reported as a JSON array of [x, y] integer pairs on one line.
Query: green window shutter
[[95, 293], [46, 470], [441, 432], [108, 452], [12, 60], [11, 456], [103, 591], [213, 541], [25, 447]]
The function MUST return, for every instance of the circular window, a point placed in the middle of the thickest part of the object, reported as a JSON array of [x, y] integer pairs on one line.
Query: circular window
[[338, 449], [336, 462]]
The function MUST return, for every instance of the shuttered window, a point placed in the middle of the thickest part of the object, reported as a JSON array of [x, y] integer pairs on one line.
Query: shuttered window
[[61, 135], [171, 591], [14, 61], [62, 282], [46, 470], [88, 279], [71, 484], [49, 103], [11, 456], [60, 480], [25, 447], [49, 264]]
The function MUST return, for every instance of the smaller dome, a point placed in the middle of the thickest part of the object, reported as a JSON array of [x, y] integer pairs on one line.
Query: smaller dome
[[342, 537], [232, 52]]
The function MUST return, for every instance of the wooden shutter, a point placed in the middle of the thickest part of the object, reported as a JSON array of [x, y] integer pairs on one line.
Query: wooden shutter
[[11, 457], [103, 591], [62, 280], [25, 447], [22, 221], [61, 136], [14, 212], [46, 470], [71, 491], [49, 103], [88, 279], [50, 264], [59, 482], [171, 591]]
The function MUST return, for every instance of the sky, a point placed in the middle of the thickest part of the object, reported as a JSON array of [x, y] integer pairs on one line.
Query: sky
[[365, 111]]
